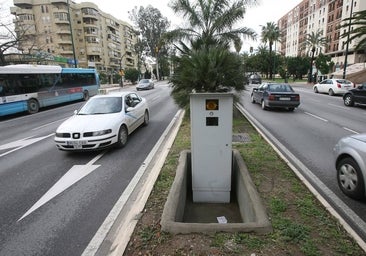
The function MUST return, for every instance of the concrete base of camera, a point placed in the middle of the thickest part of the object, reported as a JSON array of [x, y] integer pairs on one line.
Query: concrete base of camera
[[244, 213]]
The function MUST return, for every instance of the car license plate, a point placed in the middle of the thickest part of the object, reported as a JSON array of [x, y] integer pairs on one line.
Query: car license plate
[[77, 144], [285, 98]]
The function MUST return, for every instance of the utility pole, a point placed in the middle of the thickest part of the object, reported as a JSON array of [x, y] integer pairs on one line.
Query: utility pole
[[121, 70], [157, 62], [72, 37], [347, 43]]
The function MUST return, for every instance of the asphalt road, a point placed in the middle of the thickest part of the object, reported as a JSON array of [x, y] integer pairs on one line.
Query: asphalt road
[[53, 202], [307, 137]]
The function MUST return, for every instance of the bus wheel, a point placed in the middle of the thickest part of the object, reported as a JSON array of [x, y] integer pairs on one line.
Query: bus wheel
[[85, 95], [33, 106]]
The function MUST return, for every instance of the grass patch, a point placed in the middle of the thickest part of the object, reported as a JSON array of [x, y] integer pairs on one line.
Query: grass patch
[[301, 225]]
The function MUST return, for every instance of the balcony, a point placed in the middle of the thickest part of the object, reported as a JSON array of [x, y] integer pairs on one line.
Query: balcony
[[64, 41], [20, 11], [23, 2], [66, 52], [61, 21], [63, 31], [61, 10], [59, 1]]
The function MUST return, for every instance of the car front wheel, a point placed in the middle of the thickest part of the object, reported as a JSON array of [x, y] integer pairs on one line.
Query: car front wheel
[[252, 97], [316, 90], [348, 100], [122, 136], [350, 178], [146, 118], [263, 105]]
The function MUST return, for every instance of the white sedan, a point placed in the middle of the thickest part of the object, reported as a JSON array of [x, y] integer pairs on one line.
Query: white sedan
[[103, 121], [333, 86]]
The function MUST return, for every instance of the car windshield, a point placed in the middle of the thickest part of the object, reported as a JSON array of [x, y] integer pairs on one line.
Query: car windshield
[[144, 81], [102, 105], [280, 88]]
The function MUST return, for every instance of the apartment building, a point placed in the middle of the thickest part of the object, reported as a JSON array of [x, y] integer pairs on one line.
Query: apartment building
[[324, 15], [67, 33]]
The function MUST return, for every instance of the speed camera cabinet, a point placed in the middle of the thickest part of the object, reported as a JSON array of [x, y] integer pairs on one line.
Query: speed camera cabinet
[[211, 146]]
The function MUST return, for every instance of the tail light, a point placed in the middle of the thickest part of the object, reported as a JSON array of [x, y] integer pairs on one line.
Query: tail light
[[271, 97], [339, 85], [297, 97]]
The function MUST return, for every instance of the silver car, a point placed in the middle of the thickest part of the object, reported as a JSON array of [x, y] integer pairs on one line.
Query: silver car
[[145, 84], [350, 162]]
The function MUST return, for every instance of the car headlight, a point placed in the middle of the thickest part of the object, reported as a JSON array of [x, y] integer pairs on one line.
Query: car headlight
[[97, 133]]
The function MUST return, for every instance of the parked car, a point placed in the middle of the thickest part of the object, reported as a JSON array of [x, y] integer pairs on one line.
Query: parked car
[[273, 95], [145, 84], [254, 79], [103, 121], [350, 162], [355, 96], [333, 86]]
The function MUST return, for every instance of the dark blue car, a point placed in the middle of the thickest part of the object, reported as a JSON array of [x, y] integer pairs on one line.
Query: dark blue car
[[273, 95]]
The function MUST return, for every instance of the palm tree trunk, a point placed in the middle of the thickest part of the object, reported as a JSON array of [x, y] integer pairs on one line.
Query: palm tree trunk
[[310, 77], [270, 61]]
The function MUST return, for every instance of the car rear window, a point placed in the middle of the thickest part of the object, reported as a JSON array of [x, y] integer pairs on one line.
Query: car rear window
[[342, 81], [279, 88]]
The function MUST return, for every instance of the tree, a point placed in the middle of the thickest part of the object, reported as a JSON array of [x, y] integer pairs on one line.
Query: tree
[[17, 38], [206, 63], [358, 22], [211, 22], [206, 70], [9, 39], [132, 74], [297, 67], [270, 34], [151, 25], [312, 42], [324, 63]]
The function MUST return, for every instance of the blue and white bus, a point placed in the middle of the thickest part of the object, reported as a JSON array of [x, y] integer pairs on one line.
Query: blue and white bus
[[26, 87]]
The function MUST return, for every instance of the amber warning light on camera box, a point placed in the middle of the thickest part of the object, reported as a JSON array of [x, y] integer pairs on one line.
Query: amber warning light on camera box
[[212, 104]]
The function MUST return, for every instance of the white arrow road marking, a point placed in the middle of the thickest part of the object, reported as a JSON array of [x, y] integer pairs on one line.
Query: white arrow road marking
[[19, 144], [76, 173]]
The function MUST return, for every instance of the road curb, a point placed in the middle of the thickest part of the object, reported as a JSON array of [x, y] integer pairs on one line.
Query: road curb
[[285, 154], [114, 234]]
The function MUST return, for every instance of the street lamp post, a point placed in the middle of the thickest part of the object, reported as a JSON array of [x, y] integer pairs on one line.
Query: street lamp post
[[121, 72], [157, 64], [72, 37], [347, 43]]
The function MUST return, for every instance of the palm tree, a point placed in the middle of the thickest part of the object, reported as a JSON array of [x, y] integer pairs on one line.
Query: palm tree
[[312, 42], [270, 33], [358, 22], [205, 63], [211, 22]]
